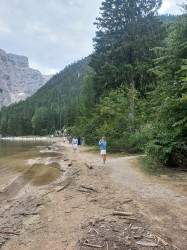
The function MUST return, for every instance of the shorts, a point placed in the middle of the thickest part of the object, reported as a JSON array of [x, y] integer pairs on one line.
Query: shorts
[[103, 152], [74, 145]]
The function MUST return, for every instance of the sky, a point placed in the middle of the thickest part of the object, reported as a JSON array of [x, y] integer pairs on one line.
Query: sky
[[54, 33]]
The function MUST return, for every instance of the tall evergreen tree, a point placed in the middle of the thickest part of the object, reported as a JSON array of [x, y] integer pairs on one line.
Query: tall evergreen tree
[[126, 33]]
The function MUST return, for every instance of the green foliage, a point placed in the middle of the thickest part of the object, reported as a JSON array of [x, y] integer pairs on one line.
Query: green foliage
[[141, 138], [169, 133], [55, 105], [123, 27], [133, 92]]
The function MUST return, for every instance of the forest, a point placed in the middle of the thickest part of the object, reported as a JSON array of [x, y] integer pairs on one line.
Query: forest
[[132, 89]]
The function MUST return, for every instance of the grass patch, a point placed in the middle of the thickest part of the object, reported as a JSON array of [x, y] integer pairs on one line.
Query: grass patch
[[151, 167], [122, 154], [93, 149], [96, 149]]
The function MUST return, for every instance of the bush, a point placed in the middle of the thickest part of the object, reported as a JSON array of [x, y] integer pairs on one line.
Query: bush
[[121, 145], [141, 138]]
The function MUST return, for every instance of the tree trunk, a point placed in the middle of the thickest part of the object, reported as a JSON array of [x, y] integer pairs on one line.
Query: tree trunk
[[131, 97]]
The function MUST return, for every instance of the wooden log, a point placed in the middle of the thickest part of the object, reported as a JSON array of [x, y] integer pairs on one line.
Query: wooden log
[[122, 213], [88, 165]]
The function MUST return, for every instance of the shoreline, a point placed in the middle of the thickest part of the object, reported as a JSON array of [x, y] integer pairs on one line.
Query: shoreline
[[22, 138], [62, 215]]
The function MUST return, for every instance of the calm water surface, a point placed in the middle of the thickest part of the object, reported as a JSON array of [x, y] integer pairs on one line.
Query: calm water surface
[[13, 158]]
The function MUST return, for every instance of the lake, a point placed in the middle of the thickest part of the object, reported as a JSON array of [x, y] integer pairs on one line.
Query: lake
[[13, 162]]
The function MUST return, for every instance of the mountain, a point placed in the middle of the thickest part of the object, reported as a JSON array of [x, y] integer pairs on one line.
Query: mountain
[[52, 107], [17, 80]]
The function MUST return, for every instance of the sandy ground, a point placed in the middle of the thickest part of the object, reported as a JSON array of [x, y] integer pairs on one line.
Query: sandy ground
[[77, 211]]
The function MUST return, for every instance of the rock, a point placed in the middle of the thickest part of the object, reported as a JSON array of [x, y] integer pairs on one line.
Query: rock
[[17, 80]]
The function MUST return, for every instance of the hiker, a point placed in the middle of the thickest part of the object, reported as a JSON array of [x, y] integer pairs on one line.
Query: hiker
[[79, 141], [102, 144], [74, 143], [83, 141]]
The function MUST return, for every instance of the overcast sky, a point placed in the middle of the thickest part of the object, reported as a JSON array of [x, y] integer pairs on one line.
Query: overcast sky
[[53, 33]]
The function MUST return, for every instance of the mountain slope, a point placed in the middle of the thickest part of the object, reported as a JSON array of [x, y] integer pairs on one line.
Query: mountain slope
[[51, 107]]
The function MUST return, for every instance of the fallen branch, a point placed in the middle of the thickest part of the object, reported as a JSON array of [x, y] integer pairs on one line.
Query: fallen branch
[[60, 189], [128, 227], [8, 232], [84, 191], [27, 214], [90, 245], [107, 245], [163, 241], [88, 165], [128, 218], [127, 201], [89, 188], [122, 213], [48, 193], [138, 236], [146, 243], [96, 232]]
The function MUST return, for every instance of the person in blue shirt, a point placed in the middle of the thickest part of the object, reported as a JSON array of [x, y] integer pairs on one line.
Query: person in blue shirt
[[102, 144]]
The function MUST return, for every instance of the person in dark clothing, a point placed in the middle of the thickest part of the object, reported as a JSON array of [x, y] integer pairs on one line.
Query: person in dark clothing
[[79, 141]]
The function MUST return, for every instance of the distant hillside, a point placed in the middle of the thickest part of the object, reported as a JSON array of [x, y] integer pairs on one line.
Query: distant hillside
[[51, 107], [168, 17]]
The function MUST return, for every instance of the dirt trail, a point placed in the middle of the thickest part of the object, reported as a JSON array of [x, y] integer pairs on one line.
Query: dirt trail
[[77, 212]]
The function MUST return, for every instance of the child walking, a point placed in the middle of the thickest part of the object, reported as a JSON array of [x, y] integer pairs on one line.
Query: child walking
[[102, 144], [74, 143]]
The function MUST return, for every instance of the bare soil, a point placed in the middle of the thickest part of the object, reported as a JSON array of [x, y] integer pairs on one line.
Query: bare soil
[[76, 212]]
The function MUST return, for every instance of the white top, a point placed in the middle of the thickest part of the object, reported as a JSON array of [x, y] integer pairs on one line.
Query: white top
[[75, 141]]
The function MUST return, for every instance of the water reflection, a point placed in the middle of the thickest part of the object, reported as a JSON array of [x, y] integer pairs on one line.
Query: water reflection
[[13, 158]]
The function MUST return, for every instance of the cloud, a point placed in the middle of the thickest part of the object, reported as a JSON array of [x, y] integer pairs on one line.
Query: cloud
[[53, 33], [171, 7], [43, 69], [4, 28]]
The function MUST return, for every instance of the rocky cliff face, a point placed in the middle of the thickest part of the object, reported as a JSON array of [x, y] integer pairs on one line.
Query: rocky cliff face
[[17, 80]]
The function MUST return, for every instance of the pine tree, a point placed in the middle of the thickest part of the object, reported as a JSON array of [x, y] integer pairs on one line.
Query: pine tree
[[126, 33]]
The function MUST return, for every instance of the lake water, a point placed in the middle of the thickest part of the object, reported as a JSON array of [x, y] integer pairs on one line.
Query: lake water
[[13, 162]]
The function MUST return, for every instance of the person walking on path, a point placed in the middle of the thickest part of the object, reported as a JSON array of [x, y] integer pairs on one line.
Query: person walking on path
[[83, 141], [102, 144], [79, 141], [74, 143]]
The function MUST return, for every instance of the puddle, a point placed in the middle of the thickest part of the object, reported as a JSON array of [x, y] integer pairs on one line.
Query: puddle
[[40, 174], [14, 165]]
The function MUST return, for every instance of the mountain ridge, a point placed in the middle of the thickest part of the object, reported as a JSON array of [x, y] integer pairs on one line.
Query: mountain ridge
[[17, 80]]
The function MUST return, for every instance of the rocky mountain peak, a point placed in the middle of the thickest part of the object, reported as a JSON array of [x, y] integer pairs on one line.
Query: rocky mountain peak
[[17, 80]]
